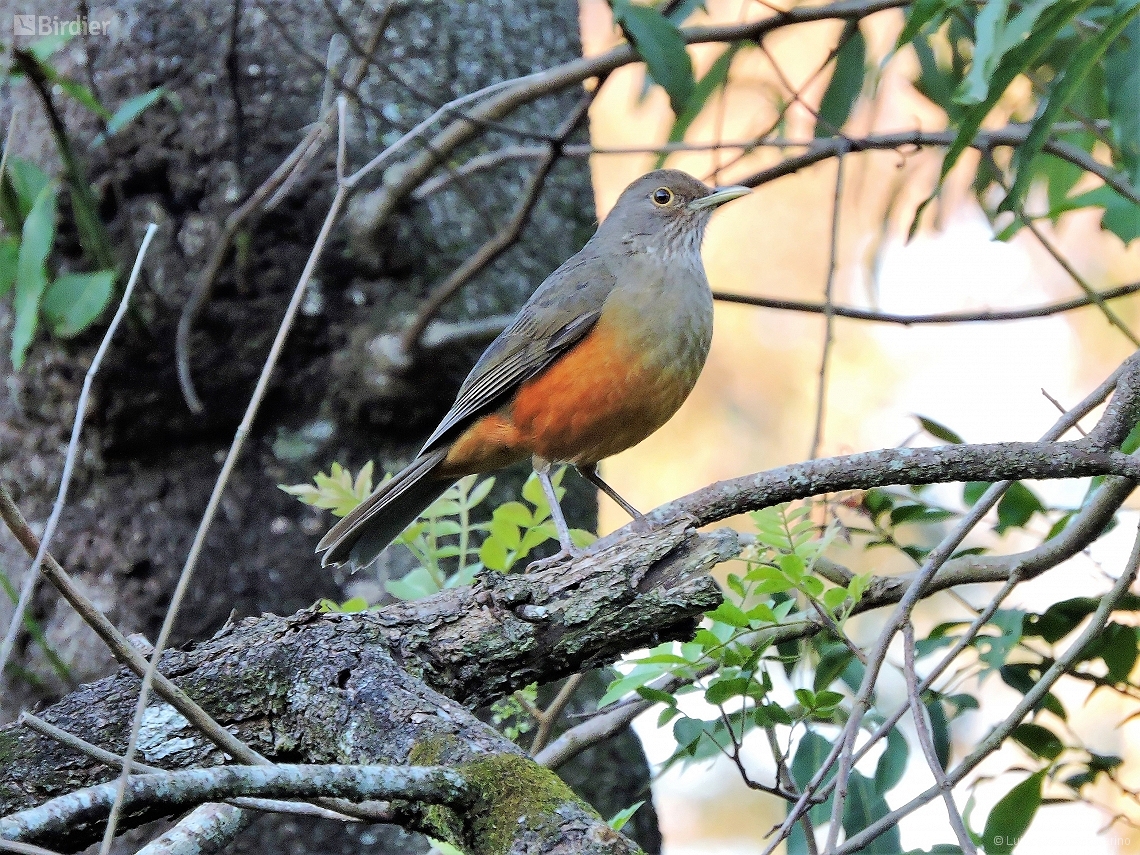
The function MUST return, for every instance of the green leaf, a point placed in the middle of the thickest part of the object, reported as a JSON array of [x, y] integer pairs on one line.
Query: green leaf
[[1016, 507], [925, 16], [493, 554], [31, 274], [846, 82], [1122, 87], [44, 47], [864, 806], [77, 91], [1116, 645], [987, 31], [9, 256], [1038, 740], [688, 731], [1023, 677], [619, 819], [1011, 816], [892, 763], [505, 532], [415, 586], [1061, 93], [939, 430], [1059, 619], [132, 108], [831, 664], [728, 613], [74, 301], [339, 492], [656, 695], [974, 490], [28, 180], [514, 512], [660, 44], [1013, 63], [723, 689], [713, 79], [939, 729]]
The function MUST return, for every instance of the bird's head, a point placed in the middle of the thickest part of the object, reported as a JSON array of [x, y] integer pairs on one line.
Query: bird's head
[[665, 211]]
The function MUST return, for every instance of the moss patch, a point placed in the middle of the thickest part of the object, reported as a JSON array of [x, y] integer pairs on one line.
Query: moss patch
[[512, 793]]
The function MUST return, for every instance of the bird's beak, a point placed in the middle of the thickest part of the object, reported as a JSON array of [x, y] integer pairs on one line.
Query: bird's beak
[[719, 197]]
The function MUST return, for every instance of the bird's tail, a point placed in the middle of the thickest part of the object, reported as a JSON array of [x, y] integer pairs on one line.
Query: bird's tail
[[375, 522]]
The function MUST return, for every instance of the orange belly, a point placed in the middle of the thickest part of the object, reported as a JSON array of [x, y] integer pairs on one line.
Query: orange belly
[[595, 401]]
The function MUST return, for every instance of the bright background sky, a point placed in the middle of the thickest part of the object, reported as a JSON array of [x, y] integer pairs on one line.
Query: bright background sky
[[754, 406]]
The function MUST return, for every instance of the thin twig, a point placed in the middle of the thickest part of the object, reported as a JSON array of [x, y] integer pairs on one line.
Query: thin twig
[[1061, 407], [276, 186], [1090, 292], [27, 591], [113, 760], [7, 143], [120, 647], [926, 740], [828, 313], [292, 166], [1011, 135], [553, 711], [994, 739], [220, 485], [502, 240], [184, 788], [966, 317], [24, 848], [844, 747]]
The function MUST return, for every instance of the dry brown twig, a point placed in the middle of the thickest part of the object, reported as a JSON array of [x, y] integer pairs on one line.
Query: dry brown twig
[[28, 588]]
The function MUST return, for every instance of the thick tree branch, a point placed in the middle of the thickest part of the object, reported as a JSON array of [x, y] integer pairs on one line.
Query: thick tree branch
[[166, 792]]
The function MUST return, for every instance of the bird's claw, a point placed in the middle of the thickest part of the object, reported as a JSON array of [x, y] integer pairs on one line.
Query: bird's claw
[[562, 556]]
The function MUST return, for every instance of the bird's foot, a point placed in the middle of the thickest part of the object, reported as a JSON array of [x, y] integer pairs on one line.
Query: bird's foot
[[562, 556]]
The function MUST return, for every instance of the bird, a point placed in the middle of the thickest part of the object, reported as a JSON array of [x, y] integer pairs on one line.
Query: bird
[[602, 354]]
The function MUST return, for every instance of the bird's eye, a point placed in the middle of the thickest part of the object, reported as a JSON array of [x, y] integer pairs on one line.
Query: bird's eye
[[662, 196]]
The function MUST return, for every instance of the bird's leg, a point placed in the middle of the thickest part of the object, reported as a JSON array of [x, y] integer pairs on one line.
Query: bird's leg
[[590, 473], [568, 550]]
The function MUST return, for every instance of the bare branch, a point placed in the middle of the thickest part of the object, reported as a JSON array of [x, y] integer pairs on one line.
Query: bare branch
[[1012, 135], [966, 317], [112, 760], [207, 829], [33, 574], [172, 791], [828, 314], [926, 740], [1029, 701], [223, 476], [503, 238]]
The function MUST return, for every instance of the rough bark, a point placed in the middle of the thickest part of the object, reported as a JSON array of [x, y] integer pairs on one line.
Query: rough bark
[[335, 688]]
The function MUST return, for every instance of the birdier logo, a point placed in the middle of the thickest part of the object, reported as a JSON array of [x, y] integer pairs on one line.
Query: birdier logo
[[54, 25]]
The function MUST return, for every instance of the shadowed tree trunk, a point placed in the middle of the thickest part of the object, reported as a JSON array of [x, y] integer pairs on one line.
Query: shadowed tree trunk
[[246, 80]]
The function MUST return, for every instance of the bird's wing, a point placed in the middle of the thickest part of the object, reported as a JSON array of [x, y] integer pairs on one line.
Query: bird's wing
[[557, 316]]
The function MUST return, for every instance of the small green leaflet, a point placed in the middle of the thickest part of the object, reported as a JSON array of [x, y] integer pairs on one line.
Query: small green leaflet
[[713, 79], [1074, 74], [31, 275], [846, 82], [1011, 816], [660, 44], [74, 301], [619, 819], [130, 110]]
